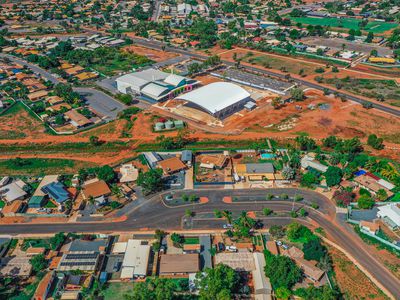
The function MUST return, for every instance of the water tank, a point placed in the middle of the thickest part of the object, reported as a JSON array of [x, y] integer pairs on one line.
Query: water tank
[[159, 126], [169, 124]]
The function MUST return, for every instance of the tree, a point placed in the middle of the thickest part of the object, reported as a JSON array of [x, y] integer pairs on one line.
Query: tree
[[155, 289], [94, 140], [324, 292], [297, 94], [308, 179], [277, 231], [219, 283], [176, 239], [276, 103], [381, 195], [305, 143], [369, 38], [314, 250], [243, 225], [57, 240], [267, 211], [333, 175], [343, 197], [283, 293], [281, 270], [188, 213], [106, 173], [38, 263], [365, 202], [297, 232], [375, 142], [288, 173], [151, 181], [217, 213]]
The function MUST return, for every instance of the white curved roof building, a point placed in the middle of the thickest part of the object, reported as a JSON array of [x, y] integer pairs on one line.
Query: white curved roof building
[[219, 98]]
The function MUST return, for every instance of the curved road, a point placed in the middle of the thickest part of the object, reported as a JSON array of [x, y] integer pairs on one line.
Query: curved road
[[152, 213]]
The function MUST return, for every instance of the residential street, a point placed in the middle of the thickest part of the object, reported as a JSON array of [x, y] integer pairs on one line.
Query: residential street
[[151, 213], [99, 101]]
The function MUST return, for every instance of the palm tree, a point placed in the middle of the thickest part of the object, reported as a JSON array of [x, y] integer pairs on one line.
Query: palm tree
[[227, 215]]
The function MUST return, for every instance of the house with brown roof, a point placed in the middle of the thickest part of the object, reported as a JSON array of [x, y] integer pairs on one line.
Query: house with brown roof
[[171, 165], [179, 264], [35, 96], [12, 209], [97, 189], [311, 271], [74, 70], [76, 119], [371, 227], [44, 286]]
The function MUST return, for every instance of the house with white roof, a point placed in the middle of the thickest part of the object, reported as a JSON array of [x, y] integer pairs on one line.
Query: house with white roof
[[390, 214], [136, 259]]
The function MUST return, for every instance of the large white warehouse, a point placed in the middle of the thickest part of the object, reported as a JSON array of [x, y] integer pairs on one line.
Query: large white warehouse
[[220, 99]]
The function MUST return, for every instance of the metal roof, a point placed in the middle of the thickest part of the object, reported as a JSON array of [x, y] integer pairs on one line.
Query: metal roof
[[260, 168], [154, 90], [174, 79], [216, 96]]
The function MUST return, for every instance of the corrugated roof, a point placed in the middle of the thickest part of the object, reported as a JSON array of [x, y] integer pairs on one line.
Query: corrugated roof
[[154, 90], [174, 79], [216, 96]]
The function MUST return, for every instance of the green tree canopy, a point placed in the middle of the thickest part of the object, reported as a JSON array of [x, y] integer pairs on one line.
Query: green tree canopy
[[281, 270], [219, 283], [333, 175], [38, 263], [151, 181]]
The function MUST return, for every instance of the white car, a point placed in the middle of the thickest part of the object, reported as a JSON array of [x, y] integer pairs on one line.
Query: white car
[[231, 248], [279, 243]]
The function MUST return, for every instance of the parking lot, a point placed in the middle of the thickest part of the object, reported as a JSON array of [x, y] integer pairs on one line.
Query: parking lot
[[103, 104], [337, 44], [253, 80]]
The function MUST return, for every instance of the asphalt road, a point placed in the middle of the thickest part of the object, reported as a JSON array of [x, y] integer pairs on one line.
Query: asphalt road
[[152, 213], [159, 45], [99, 101]]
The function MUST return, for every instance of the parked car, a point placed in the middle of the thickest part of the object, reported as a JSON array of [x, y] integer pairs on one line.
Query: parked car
[[227, 226], [285, 246], [220, 247], [231, 248], [169, 197], [279, 243]]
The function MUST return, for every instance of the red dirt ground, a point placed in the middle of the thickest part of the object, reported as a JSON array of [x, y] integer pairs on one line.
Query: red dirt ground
[[150, 53]]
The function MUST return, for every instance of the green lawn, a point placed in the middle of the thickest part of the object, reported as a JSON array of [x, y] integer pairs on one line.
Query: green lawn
[[2, 204], [35, 243], [115, 291], [348, 23], [192, 241], [50, 204]]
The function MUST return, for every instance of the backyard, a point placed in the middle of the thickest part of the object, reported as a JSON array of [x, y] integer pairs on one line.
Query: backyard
[[117, 290], [348, 23]]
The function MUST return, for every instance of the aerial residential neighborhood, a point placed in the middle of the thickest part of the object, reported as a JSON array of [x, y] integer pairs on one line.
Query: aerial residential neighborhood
[[202, 149]]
